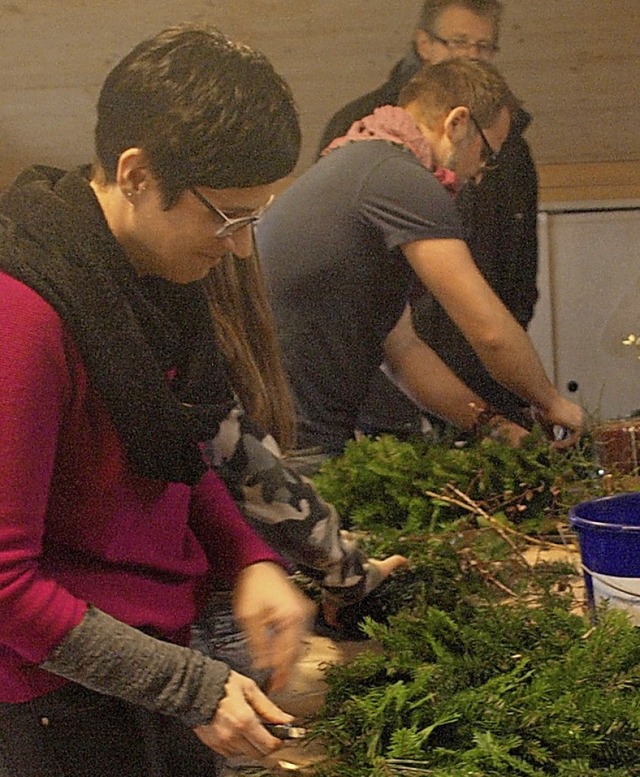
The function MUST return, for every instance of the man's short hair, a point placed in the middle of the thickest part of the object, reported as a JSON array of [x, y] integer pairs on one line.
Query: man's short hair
[[437, 89], [206, 110], [431, 9]]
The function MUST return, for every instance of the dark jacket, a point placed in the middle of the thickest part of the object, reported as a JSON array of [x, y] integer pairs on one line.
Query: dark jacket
[[500, 219]]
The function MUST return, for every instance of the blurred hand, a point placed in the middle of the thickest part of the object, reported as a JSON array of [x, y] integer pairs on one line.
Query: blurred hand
[[236, 728], [388, 565], [506, 431], [330, 611], [275, 616]]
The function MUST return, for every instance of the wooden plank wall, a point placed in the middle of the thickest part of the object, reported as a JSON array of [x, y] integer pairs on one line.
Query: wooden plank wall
[[575, 63]]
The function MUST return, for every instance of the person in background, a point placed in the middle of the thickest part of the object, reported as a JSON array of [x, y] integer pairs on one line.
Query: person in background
[[248, 339], [499, 213], [111, 382], [281, 504], [342, 245]]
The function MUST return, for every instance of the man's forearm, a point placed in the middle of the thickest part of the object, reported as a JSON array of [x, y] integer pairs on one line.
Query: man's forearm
[[422, 375], [512, 360]]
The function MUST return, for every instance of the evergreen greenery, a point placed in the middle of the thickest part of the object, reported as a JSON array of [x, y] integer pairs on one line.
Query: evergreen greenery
[[508, 690], [480, 664], [385, 485]]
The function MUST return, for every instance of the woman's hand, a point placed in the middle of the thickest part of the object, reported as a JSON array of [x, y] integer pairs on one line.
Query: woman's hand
[[275, 615], [384, 568], [236, 728]]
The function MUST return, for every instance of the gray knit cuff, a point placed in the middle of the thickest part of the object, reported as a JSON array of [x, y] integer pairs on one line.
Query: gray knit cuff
[[110, 657]]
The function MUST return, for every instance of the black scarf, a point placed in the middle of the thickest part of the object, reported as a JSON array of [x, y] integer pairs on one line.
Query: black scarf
[[130, 331]]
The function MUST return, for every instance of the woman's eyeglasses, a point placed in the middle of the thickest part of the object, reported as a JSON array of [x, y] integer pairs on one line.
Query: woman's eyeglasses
[[232, 225]]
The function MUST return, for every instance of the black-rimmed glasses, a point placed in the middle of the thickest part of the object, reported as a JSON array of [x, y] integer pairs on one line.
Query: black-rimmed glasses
[[485, 48], [232, 225], [490, 155]]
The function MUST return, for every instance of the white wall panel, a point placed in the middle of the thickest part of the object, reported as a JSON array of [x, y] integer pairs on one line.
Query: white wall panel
[[590, 301]]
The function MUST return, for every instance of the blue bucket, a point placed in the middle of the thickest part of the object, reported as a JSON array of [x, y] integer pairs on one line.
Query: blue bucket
[[609, 533]]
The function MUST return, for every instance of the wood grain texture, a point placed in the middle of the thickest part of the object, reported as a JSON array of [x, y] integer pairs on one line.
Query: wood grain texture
[[574, 63]]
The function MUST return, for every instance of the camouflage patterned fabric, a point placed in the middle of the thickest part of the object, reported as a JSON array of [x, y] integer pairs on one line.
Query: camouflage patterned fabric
[[287, 511]]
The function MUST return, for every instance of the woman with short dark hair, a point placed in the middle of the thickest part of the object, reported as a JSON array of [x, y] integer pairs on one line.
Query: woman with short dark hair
[[111, 522]]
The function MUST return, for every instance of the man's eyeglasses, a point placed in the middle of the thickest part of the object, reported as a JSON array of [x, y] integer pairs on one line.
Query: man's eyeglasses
[[232, 225], [485, 48], [490, 156]]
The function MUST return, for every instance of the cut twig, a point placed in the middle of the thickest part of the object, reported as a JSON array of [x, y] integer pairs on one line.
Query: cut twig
[[486, 575], [467, 503]]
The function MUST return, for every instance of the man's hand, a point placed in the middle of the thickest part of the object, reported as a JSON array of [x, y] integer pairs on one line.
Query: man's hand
[[236, 728], [506, 431], [275, 615], [565, 415]]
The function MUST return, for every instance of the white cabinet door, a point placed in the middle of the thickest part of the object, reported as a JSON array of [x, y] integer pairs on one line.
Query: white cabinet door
[[590, 301]]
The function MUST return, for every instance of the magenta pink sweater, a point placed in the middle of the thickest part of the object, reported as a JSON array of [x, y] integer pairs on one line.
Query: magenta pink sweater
[[77, 525]]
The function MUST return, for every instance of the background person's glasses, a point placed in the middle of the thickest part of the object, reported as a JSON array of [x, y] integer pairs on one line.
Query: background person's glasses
[[490, 156], [232, 225], [485, 48]]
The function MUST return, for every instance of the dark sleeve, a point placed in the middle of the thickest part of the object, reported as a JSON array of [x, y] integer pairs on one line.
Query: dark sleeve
[[517, 231], [520, 244], [500, 220], [340, 122]]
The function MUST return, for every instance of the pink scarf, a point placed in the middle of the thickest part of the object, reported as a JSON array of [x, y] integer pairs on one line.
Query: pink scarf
[[395, 125]]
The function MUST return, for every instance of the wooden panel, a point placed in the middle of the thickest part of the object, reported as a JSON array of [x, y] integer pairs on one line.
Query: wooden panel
[[54, 55], [590, 181], [573, 62]]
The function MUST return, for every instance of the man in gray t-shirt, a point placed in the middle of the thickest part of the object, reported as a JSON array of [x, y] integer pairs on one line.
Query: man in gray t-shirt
[[341, 280], [341, 246]]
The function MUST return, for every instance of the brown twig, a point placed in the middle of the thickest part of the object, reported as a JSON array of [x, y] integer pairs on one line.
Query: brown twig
[[467, 503], [473, 562], [473, 507]]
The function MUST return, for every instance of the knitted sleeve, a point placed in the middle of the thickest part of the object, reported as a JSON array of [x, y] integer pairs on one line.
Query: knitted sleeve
[[110, 657]]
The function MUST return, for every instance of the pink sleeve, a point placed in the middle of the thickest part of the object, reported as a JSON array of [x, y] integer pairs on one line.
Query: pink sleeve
[[229, 541], [35, 611]]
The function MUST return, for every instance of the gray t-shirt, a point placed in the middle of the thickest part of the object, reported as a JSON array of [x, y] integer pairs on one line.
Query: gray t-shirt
[[331, 251]]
